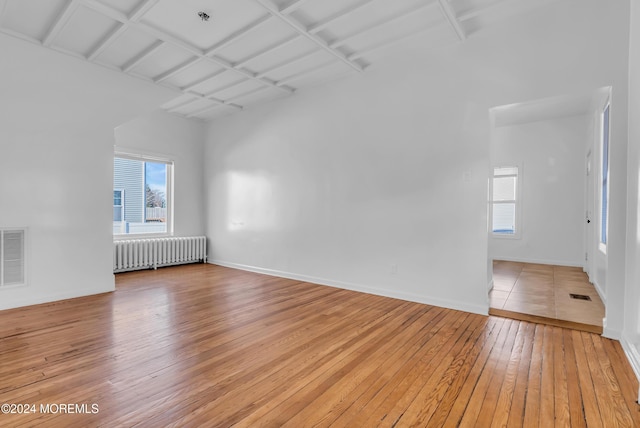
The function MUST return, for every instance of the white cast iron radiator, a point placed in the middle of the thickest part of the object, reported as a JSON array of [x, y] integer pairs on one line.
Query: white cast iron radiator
[[135, 254]]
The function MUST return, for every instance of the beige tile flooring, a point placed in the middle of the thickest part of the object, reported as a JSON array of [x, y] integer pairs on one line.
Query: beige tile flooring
[[543, 290]]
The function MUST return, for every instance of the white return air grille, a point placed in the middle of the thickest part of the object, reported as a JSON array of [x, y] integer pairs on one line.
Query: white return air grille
[[135, 254], [12, 254]]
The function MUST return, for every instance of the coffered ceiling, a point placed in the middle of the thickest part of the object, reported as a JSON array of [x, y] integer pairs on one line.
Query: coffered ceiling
[[247, 51]]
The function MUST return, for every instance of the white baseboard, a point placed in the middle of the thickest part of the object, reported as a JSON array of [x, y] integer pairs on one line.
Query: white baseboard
[[53, 297], [600, 292], [411, 297], [633, 356]]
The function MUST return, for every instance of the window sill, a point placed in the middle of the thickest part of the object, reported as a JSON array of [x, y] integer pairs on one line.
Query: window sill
[[505, 236], [141, 236], [603, 248]]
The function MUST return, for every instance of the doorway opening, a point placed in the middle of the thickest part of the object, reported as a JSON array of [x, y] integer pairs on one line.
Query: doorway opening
[[550, 254]]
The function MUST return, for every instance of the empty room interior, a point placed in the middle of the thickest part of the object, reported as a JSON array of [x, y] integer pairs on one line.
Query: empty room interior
[[297, 213]]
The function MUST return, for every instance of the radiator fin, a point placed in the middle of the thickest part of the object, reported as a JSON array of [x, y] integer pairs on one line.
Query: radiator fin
[[136, 254]]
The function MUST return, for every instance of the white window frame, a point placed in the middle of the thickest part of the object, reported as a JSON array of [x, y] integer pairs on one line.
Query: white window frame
[[124, 153], [602, 246], [517, 201]]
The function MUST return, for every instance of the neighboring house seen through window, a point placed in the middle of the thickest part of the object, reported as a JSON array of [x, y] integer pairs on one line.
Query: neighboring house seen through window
[[505, 201], [142, 195]]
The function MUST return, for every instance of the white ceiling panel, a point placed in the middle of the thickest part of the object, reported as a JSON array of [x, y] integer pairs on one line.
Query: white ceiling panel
[[423, 15], [318, 58], [194, 73], [178, 101], [316, 75], [255, 98], [214, 113], [248, 51], [389, 31], [295, 49], [218, 82], [18, 16], [194, 106], [180, 18], [92, 25], [272, 33], [123, 6], [239, 89], [163, 60], [126, 47]]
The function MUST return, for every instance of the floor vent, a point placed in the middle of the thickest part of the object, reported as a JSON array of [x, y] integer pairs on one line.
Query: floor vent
[[580, 296]]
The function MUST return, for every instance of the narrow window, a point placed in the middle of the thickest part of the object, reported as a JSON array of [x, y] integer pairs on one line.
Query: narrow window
[[141, 195], [505, 201], [604, 180]]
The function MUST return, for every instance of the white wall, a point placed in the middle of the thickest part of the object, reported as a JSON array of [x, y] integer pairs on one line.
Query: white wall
[[180, 140], [57, 117], [631, 336], [551, 154], [339, 183]]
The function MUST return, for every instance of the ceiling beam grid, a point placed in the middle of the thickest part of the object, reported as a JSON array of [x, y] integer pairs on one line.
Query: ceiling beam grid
[[246, 94], [450, 16], [107, 41], [267, 50], [391, 42], [190, 86], [287, 63], [293, 6], [473, 13], [302, 74], [142, 56], [238, 34], [380, 24], [177, 69], [141, 10], [338, 16], [160, 35], [273, 9], [61, 21]]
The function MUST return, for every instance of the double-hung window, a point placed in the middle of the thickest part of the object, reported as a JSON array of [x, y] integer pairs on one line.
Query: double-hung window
[[604, 180], [505, 201], [142, 198]]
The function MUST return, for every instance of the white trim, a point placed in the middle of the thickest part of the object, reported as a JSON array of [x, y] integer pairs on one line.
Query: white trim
[[145, 156], [600, 292], [141, 155], [37, 298], [411, 297], [517, 201], [633, 356], [490, 286]]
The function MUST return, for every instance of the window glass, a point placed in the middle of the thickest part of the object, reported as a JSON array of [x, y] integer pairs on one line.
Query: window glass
[[604, 194], [504, 201], [141, 199]]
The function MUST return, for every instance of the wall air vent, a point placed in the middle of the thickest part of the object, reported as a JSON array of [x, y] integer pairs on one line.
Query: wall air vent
[[12, 257]]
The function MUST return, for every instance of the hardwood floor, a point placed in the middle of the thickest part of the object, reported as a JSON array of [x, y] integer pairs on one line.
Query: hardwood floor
[[542, 293], [203, 345]]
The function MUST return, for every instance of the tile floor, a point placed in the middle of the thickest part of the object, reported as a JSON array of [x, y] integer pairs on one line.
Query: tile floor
[[543, 290]]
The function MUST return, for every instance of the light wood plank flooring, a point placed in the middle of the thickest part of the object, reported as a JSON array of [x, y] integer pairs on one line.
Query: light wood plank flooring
[[543, 292], [203, 345]]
